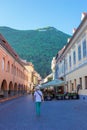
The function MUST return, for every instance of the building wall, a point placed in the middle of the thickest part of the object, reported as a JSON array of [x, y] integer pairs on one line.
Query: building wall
[[13, 75], [77, 70], [74, 78], [33, 76]]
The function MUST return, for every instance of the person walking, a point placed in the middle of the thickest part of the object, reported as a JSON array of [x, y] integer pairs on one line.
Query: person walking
[[38, 97]]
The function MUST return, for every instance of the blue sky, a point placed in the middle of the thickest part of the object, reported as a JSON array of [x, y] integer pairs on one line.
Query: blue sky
[[32, 14]]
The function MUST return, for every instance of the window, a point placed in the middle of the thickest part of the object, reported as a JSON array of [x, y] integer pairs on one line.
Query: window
[[85, 82], [66, 65], [70, 61], [74, 57], [3, 64], [72, 87], [75, 84], [84, 48], [79, 52], [8, 66], [67, 89], [17, 71], [62, 68], [12, 68], [80, 80]]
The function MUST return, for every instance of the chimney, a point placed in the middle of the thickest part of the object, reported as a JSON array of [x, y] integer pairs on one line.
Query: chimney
[[73, 31], [83, 15]]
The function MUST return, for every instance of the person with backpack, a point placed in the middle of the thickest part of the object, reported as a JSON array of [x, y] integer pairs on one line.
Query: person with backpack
[[38, 97]]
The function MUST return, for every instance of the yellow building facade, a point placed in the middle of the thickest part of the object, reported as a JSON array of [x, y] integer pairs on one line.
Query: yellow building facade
[[33, 77]]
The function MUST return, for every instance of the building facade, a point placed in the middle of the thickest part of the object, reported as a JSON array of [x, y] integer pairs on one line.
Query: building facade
[[33, 77], [71, 61]]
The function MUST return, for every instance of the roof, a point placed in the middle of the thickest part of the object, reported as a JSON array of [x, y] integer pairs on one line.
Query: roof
[[6, 45]]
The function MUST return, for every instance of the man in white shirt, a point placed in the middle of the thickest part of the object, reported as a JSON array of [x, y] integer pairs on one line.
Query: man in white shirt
[[38, 96]]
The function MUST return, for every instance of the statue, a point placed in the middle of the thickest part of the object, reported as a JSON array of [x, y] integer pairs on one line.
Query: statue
[[53, 66]]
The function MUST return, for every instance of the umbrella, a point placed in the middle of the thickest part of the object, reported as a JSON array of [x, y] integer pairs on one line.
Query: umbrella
[[55, 83]]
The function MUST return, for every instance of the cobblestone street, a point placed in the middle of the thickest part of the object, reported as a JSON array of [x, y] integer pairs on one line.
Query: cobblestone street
[[19, 114]]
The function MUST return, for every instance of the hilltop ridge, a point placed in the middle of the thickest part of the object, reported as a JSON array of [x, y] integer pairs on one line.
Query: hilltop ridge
[[38, 46]]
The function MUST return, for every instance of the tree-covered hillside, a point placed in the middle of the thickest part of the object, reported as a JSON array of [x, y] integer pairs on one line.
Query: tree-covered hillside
[[36, 46]]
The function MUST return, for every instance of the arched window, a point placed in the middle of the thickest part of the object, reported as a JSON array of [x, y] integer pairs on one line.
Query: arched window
[[84, 48], [3, 64], [15, 70], [8, 66], [79, 52], [12, 68], [70, 61], [74, 57]]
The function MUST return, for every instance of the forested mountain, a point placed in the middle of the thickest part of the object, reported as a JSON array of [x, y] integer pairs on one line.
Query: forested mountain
[[36, 46]]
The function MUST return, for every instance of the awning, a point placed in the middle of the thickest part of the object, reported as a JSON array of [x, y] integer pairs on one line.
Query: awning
[[54, 83]]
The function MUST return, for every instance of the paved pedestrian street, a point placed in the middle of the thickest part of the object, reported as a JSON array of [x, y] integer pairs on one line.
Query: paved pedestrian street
[[19, 114]]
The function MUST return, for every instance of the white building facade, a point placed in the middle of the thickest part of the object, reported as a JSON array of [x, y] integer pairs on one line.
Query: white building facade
[[71, 61]]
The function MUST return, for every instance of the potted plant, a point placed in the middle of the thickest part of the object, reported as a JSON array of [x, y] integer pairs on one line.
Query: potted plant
[[67, 96], [74, 96], [60, 96]]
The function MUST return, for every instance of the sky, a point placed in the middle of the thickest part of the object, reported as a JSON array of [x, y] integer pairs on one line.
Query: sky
[[33, 14]]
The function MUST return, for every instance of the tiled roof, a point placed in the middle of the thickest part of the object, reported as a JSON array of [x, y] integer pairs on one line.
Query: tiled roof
[[7, 46], [61, 51]]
